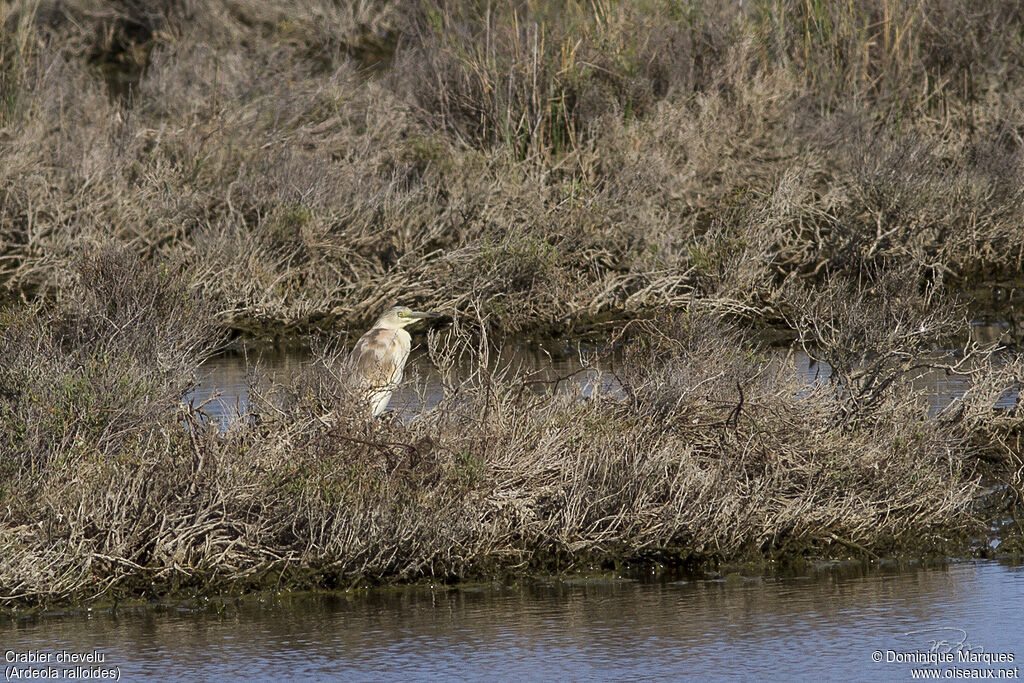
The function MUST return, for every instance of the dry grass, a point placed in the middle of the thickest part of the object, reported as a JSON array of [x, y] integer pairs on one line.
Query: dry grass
[[563, 161], [714, 450], [526, 166]]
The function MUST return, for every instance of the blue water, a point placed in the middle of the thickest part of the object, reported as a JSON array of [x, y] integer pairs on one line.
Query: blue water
[[824, 626]]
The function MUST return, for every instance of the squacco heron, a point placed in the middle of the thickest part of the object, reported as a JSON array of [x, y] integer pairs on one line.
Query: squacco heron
[[378, 359]]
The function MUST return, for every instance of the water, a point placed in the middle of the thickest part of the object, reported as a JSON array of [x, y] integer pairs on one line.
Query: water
[[823, 626], [224, 380]]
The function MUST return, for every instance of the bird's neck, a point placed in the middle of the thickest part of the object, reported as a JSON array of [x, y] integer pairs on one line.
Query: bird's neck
[[387, 325]]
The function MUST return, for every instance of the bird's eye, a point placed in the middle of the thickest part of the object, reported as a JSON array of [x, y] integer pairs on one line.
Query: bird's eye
[[403, 314]]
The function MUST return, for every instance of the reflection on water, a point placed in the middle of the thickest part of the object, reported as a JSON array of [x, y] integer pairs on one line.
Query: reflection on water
[[224, 380], [224, 384], [939, 387], [823, 627]]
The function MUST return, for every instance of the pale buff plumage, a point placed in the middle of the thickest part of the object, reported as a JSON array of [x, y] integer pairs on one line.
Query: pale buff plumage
[[378, 359]]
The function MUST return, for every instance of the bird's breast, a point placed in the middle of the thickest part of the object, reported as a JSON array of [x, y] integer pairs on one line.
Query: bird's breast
[[404, 342]]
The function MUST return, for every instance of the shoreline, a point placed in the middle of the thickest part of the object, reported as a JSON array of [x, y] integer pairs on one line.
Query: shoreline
[[735, 571]]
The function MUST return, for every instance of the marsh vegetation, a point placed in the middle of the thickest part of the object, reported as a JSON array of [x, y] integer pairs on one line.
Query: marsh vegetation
[[678, 177]]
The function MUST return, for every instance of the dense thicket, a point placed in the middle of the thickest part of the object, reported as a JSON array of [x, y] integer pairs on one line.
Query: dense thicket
[[709, 449], [315, 162], [172, 170]]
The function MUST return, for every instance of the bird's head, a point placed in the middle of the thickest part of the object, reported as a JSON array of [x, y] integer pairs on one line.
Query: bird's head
[[401, 316]]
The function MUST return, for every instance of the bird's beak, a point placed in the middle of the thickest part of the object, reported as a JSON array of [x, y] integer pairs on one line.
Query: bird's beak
[[420, 315]]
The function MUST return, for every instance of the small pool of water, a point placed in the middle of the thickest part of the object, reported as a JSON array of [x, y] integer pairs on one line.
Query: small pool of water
[[832, 624], [224, 382]]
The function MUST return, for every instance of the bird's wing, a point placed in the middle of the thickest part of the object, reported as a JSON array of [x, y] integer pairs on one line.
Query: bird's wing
[[375, 360]]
